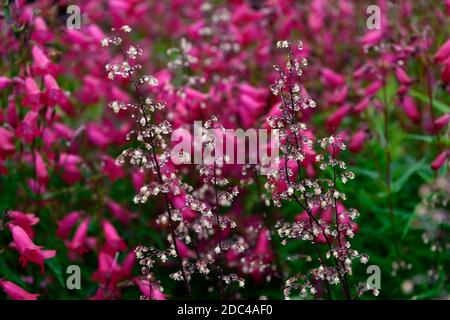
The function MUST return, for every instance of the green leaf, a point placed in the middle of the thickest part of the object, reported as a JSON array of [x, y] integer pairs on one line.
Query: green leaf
[[399, 183], [408, 224], [441, 106], [418, 137], [55, 266]]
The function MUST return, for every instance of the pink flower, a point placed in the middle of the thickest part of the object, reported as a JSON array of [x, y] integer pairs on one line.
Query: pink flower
[[63, 130], [357, 141], [371, 38], [24, 220], [7, 146], [15, 292], [443, 53], [98, 135], [111, 169], [445, 75], [69, 165], [339, 95], [13, 118], [179, 203], [41, 170], [41, 34], [335, 119], [122, 214], [441, 122], [33, 94], [332, 78], [40, 60], [28, 128], [53, 93], [439, 161], [138, 179], [151, 292], [402, 76], [66, 224], [29, 252], [184, 250], [79, 240], [409, 106], [362, 105], [373, 88], [4, 82], [109, 273], [128, 264], [263, 245], [114, 242]]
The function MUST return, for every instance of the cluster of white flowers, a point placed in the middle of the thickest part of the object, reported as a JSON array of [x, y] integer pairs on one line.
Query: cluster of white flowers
[[314, 196]]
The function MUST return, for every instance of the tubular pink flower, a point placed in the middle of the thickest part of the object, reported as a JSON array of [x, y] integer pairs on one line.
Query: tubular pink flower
[[152, 292], [442, 122], [114, 242], [409, 106], [4, 82], [41, 170], [66, 224], [15, 292], [332, 78], [78, 243], [443, 53], [439, 161], [24, 220], [7, 146], [40, 59], [29, 252]]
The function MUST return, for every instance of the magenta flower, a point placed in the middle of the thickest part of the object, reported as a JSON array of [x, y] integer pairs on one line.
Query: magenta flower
[[442, 122], [29, 252], [357, 141], [111, 169], [15, 292], [4, 82], [98, 135], [41, 170], [33, 94], [68, 163], [28, 128], [335, 119], [121, 213], [24, 220], [439, 161], [443, 54], [371, 38], [66, 224], [409, 106], [332, 78], [110, 272], [53, 93], [402, 76], [149, 291], [79, 243], [114, 242], [40, 61], [7, 146]]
